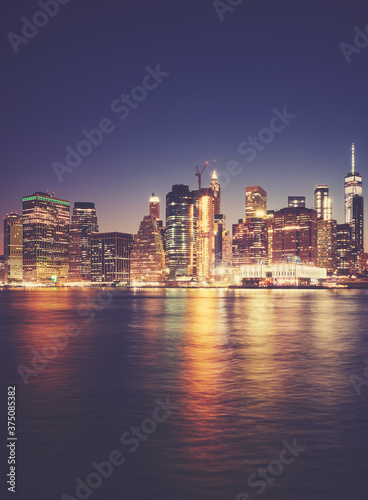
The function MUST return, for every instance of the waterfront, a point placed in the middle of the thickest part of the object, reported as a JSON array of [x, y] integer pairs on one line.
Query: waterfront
[[248, 369]]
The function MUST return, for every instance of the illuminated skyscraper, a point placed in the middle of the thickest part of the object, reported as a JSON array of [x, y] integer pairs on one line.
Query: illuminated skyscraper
[[83, 225], [155, 206], [215, 187], [181, 231], [206, 241], [255, 202], [295, 235], [323, 202], [343, 249], [13, 247], [296, 201], [45, 237], [147, 263], [327, 245], [111, 257], [354, 213], [250, 242]]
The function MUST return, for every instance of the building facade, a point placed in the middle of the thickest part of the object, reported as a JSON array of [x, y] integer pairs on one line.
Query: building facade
[[323, 202], [343, 249], [13, 247], [111, 257], [181, 232], [255, 202], [83, 225], [206, 234], [295, 235], [45, 237], [250, 242], [147, 263], [327, 245]]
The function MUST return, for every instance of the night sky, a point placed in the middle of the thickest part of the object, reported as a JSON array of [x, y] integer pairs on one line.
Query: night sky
[[225, 78]]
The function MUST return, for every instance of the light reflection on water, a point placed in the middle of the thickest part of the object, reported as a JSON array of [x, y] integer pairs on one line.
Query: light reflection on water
[[247, 368]]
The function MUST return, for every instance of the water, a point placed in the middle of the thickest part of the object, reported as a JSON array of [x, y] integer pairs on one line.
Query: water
[[247, 370]]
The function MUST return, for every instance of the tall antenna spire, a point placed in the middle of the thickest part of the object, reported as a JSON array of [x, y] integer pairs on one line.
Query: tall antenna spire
[[353, 158]]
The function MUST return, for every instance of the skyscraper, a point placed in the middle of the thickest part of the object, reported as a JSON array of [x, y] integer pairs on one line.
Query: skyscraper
[[155, 206], [83, 225], [327, 245], [354, 213], [215, 187], [181, 231], [250, 242], [296, 201], [343, 249], [13, 247], [111, 257], [45, 237], [295, 235], [206, 241], [323, 202], [255, 202], [147, 263]]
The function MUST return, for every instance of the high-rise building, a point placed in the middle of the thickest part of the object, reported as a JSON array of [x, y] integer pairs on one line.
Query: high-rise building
[[154, 206], [250, 242], [83, 225], [255, 202], [296, 201], [343, 249], [295, 235], [2, 269], [111, 257], [215, 186], [147, 263], [206, 240], [354, 213], [13, 247], [181, 231], [323, 202], [45, 237], [327, 245], [219, 229]]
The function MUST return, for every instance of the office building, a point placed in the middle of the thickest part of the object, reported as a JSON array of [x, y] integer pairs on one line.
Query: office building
[[2, 269], [215, 187], [83, 225], [147, 263], [13, 248], [343, 249], [181, 232], [255, 202], [323, 202], [327, 245], [296, 201], [250, 242], [45, 237], [206, 236], [295, 235], [111, 257]]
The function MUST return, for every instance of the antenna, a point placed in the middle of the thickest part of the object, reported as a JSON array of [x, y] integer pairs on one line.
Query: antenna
[[353, 158]]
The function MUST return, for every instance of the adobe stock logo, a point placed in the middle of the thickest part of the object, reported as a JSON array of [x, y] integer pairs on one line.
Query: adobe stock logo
[[40, 19], [360, 42]]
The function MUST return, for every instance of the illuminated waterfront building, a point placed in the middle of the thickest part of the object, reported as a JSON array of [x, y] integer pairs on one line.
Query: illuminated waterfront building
[[110, 260], [83, 225], [327, 245], [215, 187], [354, 213], [2, 269], [343, 249], [323, 202], [181, 232], [13, 247], [295, 235], [296, 201], [293, 273], [45, 237], [255, 202], [364, 264], [147, 263], [206, 230], [250, 242]]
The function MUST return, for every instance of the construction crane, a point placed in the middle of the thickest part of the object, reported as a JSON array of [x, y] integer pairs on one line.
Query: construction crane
[[199, 175]]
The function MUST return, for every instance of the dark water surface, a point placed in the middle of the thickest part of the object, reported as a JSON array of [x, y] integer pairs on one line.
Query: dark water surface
[[247, 369]]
